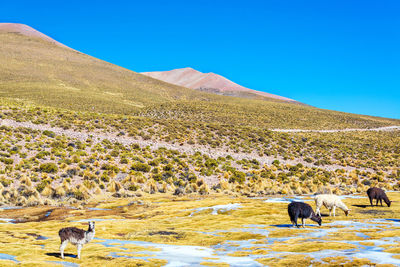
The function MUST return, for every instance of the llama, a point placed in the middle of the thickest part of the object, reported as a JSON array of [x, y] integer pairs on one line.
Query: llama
[[75, 236], [379, 195], [330, 202], [303, 211]]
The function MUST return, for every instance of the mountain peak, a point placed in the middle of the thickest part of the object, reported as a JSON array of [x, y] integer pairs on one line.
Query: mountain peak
[[191, 78], [27, 31]]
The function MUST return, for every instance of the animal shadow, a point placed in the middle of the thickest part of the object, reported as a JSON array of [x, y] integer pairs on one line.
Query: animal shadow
[[58, 255], [361, 206], [374, 212], [282, 225], [290, 225]]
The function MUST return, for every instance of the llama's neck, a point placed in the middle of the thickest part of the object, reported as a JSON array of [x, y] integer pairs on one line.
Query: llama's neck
[[386, 199], [342, 206], [89, 235]]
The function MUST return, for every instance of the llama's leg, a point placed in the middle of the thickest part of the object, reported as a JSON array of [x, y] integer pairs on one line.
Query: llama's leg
[[79, 248], [334, 211], [330, 212], [295, 220], [292, 219], [370, 201], [381, 202], [377, 201], [302, 222], [62, 247], [317, 211]]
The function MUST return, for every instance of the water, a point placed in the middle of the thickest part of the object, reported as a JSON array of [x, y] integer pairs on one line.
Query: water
[[193, 255], [4, 256], [10, 208], [94, 220], [6, 220], [286, 200], [65, 263], [97, 209], [218, 208], [176, 255]]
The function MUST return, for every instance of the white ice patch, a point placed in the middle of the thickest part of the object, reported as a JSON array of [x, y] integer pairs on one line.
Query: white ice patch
[[176, 255], [286, 200], [218, 208], [9, 257], [10, 208], [94, 220], [359, 225], [373, 253], [97, 209], [6, 220], [351, 197], [65, 263], [257, 229]]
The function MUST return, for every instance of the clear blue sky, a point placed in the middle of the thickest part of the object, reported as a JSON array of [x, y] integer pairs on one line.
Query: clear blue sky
[[341, 55]]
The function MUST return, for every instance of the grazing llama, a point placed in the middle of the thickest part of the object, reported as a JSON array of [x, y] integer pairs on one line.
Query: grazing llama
[[379, 195], [75, 236], [330, 202], [303, 211]]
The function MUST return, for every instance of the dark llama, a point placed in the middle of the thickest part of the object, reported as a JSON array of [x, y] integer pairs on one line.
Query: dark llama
[[304, 211]]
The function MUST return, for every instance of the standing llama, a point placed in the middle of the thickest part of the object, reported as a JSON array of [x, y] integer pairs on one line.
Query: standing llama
[[303, 211], [379, 195], [330, 201], [75, 236]]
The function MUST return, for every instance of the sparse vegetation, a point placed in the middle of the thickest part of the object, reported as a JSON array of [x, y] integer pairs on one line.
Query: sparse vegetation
[[149, 152]]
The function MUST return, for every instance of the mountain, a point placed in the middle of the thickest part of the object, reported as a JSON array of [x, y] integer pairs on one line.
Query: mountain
[[42, 71], [209, 82], [38, 71], [26, 31]]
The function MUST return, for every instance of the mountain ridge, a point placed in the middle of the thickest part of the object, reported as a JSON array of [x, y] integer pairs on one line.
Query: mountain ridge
[[40, 73], [27, 31], [212, 82]]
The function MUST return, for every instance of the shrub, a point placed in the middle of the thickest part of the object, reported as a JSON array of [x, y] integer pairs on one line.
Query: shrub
[[109, 167], [140, 167], [237, 176], [42, 185], [133, 187], [105, 177], [7, 161], [211, 163], [48, 167], [5, 182], [49, 133], [42, 154]]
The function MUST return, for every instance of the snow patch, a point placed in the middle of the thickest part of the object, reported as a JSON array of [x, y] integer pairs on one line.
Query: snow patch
[[9, 257], [176, 255], [218, 208]]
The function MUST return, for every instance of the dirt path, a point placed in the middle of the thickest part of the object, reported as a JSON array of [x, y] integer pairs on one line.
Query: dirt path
[[387, 128], [186, 148]]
